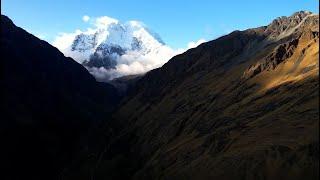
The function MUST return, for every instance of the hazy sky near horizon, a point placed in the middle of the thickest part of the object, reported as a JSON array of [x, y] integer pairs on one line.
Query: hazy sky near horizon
[[177, 22]]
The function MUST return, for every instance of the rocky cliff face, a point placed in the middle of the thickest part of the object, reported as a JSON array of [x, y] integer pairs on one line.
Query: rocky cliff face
[[243, 106]]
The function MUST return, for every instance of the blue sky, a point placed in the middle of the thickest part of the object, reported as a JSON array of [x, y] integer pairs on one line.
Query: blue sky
[[177, 22]]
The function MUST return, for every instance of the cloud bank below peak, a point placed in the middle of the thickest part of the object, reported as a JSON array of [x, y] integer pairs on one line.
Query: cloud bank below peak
[[85, 18], [138, 48]]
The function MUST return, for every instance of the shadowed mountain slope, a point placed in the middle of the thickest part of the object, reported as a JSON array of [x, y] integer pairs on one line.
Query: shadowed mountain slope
[[50, 102]]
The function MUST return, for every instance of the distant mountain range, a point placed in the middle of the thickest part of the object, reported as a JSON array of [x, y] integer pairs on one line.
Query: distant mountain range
[[243, 106]]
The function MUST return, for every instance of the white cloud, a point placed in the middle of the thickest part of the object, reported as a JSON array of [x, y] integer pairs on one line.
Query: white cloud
[[85, 18], [130, 63], [135, 63], [64, 40], [40, 36], [195, 44], [104, 21]]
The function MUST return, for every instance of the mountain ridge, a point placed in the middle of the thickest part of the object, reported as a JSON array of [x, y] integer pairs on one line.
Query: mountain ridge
[[50, 105], [200, 116]]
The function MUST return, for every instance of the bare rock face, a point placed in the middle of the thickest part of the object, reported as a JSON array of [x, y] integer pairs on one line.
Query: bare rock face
[[270, 62], [105, 56], [308, 30], [84, 42], [283, 25]]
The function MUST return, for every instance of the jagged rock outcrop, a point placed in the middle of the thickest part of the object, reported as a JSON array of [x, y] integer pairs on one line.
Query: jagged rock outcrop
[[284, 26], [309, 30], [84, 42], [280, 53], [104, 56]]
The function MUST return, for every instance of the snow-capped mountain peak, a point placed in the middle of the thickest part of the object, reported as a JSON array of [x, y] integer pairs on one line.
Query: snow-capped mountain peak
[[114, 48], [121, 37]]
